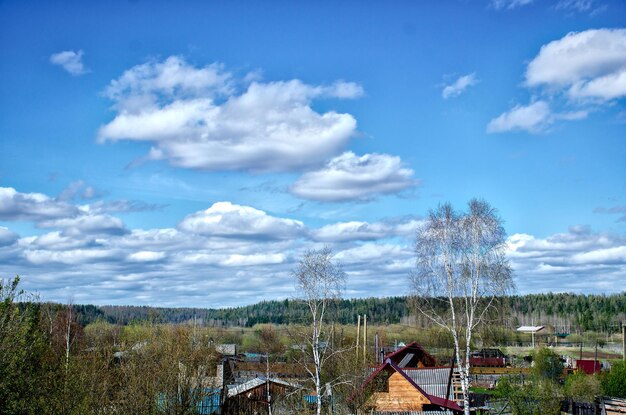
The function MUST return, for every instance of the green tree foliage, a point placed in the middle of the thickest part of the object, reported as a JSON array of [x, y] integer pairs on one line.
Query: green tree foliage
[[21, 351], [535, 396], [581, 387], [104, 369], [581, 312], [614, 382], [547, 364]]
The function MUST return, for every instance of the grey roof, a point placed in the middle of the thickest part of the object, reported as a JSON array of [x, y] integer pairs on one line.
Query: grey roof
[[434, 381]]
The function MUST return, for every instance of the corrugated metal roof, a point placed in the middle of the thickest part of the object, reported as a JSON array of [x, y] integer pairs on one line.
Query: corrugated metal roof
[[434, 381]]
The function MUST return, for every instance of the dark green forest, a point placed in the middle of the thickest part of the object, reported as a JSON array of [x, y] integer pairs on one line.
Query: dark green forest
[[576, 312]]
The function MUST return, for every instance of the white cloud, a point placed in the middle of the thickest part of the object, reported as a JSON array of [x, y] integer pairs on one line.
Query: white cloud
[[579, 260], [69, 60], [509, 4], [370, 252], [533, 118], [47, 212], [237, 260], [602, 256], [142, 85], [459, 86], [363, 231], [70, 257], [195, 118], [586, 65], [7, 237], [232, 255], [87, 224], [15, 205], [228, 220], [350, 177], [586, 68], [55, 241], [146, 256]]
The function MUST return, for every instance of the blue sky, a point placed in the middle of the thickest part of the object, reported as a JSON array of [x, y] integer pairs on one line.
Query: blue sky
[[187, 154]]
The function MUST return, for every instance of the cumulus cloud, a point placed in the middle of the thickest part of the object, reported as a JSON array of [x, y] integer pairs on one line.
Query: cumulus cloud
[[237, 260], [509, 4], [7, 237], [71, 257], [589, 64], [578, 260], [459, 86], [350, 177], [196, 118], [532, 118], [15, 205], [69, 60], [47, 212], [232, 255], [364, 231], [585, 68], [146, 256], [87, 224], [228, 220]]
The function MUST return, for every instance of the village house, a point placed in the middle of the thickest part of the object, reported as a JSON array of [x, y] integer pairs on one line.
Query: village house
[[408, 382]]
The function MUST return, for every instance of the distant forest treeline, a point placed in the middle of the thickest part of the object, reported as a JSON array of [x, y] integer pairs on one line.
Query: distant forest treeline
[[574, 311]]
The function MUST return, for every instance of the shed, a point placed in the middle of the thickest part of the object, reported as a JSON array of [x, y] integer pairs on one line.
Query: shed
[[252, 396]]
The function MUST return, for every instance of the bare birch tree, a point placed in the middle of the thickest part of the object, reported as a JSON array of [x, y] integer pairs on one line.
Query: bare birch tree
[[320, 281], [461, 270]]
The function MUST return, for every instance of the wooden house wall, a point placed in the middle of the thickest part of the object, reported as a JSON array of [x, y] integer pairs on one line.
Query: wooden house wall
[[401, 396]]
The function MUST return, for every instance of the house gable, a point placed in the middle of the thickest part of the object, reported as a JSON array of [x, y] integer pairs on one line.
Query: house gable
[[400, 396]]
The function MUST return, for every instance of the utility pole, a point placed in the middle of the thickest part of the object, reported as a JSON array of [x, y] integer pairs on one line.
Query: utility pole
[[581, 349], [624, 341], [267, 382], [358, 335], [376, 348], [595, 359], [364, 338]]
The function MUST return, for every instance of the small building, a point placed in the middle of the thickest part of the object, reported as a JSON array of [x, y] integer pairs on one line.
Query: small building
[[391, 389], [532, 330], [256, 395]]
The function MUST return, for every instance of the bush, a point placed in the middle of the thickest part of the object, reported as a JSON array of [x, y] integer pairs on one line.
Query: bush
[[547, 364], [614, 382], [536, 396], [582, 387]]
